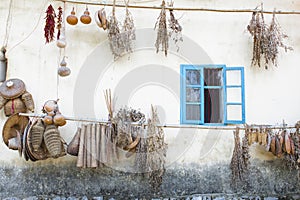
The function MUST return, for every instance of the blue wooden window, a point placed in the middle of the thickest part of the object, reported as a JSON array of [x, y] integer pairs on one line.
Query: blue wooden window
[[212, 94]]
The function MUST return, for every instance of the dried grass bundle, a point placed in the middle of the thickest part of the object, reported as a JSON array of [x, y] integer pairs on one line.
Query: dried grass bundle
[[266, 40], [128, 31], [162, 38]]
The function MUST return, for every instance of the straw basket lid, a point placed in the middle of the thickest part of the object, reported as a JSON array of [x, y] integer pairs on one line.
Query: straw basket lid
[[12, 88], [13, 124]]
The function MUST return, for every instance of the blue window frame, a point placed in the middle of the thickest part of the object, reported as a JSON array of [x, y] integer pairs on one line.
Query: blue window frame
[[212, 94]]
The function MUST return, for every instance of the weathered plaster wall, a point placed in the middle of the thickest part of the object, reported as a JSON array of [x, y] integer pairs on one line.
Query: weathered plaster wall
[[271, 95]]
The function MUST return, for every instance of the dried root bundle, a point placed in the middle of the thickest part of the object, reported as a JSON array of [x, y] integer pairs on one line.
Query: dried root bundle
[[266, 40], [162, 38]]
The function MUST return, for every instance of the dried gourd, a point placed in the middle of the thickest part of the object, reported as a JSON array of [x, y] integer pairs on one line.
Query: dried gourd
[[53, 141], [37, 132]]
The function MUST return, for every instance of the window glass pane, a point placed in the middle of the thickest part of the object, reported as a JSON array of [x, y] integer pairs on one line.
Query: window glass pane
[[234, 95], [193, 112], [233, 77], [213, 103], [234, 112], [192, 94], [193, 77], [213, 77]]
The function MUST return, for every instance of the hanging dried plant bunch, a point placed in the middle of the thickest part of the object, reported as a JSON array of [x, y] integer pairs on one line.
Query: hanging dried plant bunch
[[162, 38], [275, 40], [59, 21], [266, 40], [156, 151], [239, 160], [114, 36], [175, 28], [128, 31], [50, 24]]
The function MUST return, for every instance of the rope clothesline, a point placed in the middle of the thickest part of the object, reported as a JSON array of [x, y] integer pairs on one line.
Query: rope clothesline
[[185, 8], [241, 127]]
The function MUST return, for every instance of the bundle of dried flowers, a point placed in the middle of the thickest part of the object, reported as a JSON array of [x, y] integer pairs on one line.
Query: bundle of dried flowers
[[162, 32], [50, 24]]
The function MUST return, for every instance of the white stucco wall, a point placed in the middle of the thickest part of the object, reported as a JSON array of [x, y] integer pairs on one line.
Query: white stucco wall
[[271, 95]]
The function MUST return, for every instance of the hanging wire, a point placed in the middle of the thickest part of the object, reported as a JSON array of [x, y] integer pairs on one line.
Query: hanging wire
[[185, 9], [8, 24]]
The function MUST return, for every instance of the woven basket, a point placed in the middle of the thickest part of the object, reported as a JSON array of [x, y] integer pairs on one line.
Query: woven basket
[[37, 132], [2, 102], [28, 101], [53, 141], [14, 106]]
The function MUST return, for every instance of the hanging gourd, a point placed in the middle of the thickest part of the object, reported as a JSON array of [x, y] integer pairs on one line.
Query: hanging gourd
[[72, 19], [14, 97], [100, 18], [85, 18], [63, 70]]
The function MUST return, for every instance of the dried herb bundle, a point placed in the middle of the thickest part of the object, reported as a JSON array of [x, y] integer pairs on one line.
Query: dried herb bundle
[[50, 24], [275, 40], [59, 21], [128, 31], [156, 151], [240, 160], [175, 28], [266, 40], [162, 38], [115, 39]]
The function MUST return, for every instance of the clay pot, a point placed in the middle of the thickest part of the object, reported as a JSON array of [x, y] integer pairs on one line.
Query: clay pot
[[72, 19], [85, 18]]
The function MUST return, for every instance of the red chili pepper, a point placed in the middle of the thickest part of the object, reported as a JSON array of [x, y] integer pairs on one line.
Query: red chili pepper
[[50, 24]]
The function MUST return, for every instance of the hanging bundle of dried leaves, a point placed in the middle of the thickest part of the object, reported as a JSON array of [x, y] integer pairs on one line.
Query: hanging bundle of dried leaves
[[175, 28], [59, 21], [128, 31], [114, 36], [266, 40], [156, 151], [239, 160], [50, 24], [162, 38]]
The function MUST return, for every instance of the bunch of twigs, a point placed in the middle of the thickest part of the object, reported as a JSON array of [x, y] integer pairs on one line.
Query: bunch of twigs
[[109, 103], [128, 31], [162, 38], [266, 40]]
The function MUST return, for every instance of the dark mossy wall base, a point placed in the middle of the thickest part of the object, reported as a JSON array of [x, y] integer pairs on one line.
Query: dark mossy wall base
[[266, 179]]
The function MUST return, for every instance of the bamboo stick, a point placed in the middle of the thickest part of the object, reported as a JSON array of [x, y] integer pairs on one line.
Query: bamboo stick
[[89, 146], [212, 127], [103, 147], [185, 8]]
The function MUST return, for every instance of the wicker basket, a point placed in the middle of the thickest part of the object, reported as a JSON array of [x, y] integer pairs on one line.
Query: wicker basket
[[53, 141], [2, 102], [12, 88], [28, 101], [37, 132], [14, 106]]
